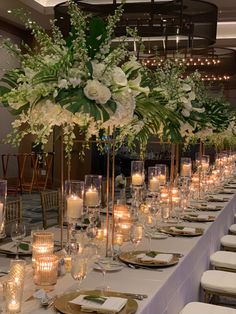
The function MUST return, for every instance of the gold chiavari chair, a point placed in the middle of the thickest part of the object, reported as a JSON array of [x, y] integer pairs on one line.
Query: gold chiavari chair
[[50, 202]]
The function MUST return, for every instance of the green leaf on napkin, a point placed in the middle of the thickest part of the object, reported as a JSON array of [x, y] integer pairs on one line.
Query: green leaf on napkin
[[95, 298], [179, 227], [152, 254], [24, 246]]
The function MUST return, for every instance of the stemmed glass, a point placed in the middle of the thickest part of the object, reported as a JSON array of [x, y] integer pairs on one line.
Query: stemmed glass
[[79, 268], [149, 225], [18, 232]]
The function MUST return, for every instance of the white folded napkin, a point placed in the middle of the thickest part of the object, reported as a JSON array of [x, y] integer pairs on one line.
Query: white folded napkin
[[111, 305], [160, 258], [184, 230]]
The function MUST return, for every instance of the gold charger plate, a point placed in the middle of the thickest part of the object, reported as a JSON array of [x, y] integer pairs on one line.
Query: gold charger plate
[[208, 208], [216, 199], [131, 258], [167, 229], [197, 219], [62, 302]]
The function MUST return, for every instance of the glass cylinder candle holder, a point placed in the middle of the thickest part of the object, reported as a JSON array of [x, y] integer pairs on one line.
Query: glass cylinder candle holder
[[12, 297], [92, 195], [121, 211], [185, 167], [162, 173], [123, 226], [165, 204], [3, 196], [153, 179], [46, 270], [42, 245], [202, 162], [74, 194], [137, 173], [176, 204]]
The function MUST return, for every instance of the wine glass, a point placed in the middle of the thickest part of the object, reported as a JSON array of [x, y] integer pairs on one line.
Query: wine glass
[[149, 225], [79, 268], [18, 232]]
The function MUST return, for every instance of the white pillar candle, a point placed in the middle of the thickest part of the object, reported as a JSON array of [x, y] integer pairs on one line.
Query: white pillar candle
[[137, 179], [186, 170], [154, 184], [91, 197], [74, 206]]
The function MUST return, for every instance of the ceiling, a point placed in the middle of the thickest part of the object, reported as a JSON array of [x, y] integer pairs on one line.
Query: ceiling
[[42, 11]]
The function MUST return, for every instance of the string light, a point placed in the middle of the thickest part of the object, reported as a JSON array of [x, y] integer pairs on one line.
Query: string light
[[188, 61]]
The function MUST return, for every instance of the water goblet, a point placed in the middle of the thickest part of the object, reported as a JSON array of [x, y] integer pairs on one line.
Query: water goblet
[[18, 232], [79, 268]]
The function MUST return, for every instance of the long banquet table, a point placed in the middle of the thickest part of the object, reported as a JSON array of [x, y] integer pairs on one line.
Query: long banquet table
[[169, 290]]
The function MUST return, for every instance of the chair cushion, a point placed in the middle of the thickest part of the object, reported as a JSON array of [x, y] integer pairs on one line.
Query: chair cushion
[[223, 259], [204, 308], [228, 240], [232, 228], [219, 281]]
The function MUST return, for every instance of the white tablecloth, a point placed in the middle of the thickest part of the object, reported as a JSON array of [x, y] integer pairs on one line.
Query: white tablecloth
[[168, 290]]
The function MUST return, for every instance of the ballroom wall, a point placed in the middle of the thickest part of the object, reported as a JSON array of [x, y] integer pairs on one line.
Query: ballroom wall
[[7, 62]]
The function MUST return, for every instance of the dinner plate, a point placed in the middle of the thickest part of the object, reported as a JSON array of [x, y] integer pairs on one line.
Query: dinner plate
[[167, 229], [62, 302], [131, 258], [195, 217], [108, 267]]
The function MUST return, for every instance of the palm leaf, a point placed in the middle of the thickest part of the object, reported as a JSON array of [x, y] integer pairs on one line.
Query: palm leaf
[[75, 101]]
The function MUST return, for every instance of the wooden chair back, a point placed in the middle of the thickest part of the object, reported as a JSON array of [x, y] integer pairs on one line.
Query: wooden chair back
[[14, 211], [50, 202]]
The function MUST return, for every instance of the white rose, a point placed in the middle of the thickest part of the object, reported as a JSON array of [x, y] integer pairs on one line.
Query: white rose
[[91, 90], [104, 95], [119, 77], [185, 113]]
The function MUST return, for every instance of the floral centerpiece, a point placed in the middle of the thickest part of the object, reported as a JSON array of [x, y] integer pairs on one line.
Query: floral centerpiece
[[81, 81]]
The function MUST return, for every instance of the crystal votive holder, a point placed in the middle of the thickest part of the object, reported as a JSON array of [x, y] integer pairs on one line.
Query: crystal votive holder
[[42, 245], [12, 297], [17, 272], [45, 273]]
